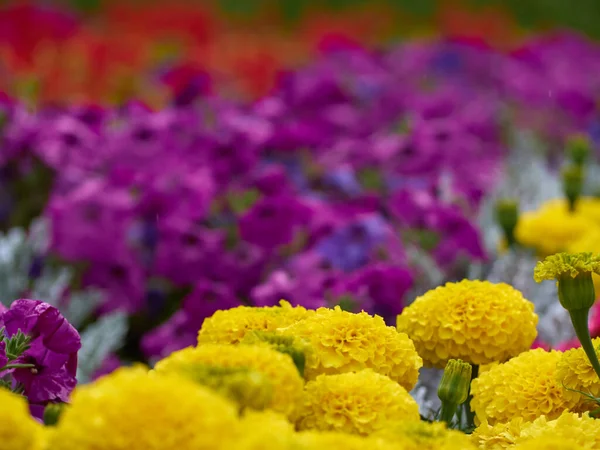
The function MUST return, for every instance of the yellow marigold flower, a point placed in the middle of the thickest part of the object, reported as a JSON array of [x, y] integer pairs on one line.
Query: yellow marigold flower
[[231, 325], [588, 207], [424, 436], [476, 321], [566, 265], [277, 367], [131, 409], [549, 443], [359, 403], [18, 430], [265, 430], [499, 436], [341, 341], [293, 346], [552, 227], [320, 440], [574, 371], [582, 429], [523, 387]]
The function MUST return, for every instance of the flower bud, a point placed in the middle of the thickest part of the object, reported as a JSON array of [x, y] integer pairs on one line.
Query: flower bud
[[573, 272], [454, 386], [572, 184], [578, 148], [52, 413], [507, 215]]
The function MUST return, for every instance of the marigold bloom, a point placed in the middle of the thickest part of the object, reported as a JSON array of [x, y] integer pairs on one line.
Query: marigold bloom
[[18, 430], [497, 437], [341, 342], [582, 429], [551, 228], [566, 265], [359, 403], [523, 387], [574, 371], [231, 325], [549, 442], [476, 321], [131, 409], [424, 436], [278, 368], [318, 440], [265, 430]]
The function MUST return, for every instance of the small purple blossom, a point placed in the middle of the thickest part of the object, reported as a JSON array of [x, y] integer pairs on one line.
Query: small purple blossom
[[52, 351]]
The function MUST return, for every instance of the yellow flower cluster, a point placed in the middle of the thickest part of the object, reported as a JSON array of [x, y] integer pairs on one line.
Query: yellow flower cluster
[[18, 430], [475, 321], [278, 368], [424, 436], [360, 402], [552, 228], [575, 372], [320, 440], [231, 325], [499, 436], [341, 342], [581, 430], [265, 430], [549, 442], [524, 387], [131, 409], [566, 265]]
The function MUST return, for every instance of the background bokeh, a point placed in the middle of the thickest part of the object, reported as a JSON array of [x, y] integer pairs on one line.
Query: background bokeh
[[112, 50]]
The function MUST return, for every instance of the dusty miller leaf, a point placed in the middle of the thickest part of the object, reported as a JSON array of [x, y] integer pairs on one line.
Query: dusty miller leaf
[[98, 341]]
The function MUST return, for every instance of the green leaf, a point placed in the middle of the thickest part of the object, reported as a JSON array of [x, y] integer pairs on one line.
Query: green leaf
[[98, 341], [16, 345]]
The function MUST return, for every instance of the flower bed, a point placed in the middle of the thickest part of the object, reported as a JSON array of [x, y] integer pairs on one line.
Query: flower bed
[[368, 190]]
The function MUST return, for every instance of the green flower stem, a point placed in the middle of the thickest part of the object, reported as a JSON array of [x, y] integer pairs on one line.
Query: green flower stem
[[447, 412], [579, 318], [16, 366], [470, 414], [510, 239]]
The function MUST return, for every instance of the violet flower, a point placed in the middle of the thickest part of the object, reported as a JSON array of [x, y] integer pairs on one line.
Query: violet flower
[[52, 351]]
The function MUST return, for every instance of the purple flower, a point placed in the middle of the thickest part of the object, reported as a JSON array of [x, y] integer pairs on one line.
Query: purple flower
[[421, 210], [350, 247], [53, 350], [206, 298], [3, 357], [123, 282], [273, 221], [186, 249], [381, 286], [177, 333], [90, 222]]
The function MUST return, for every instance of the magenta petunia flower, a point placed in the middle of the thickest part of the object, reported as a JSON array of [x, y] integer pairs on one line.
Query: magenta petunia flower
[[54, 344]]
